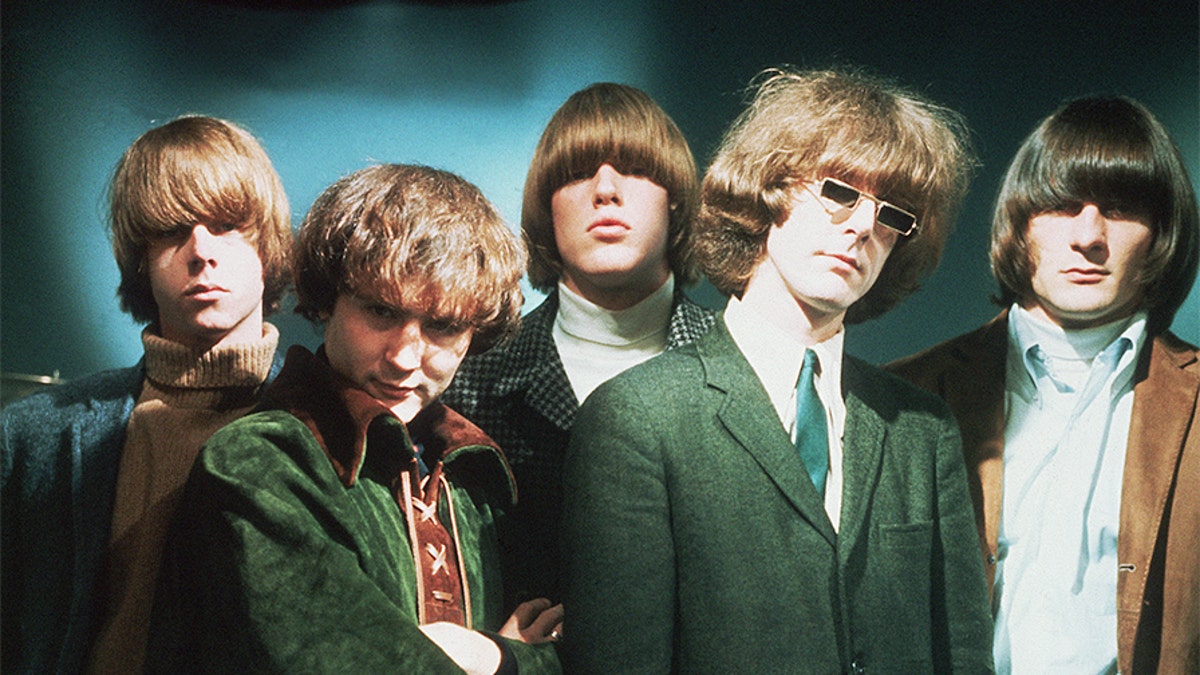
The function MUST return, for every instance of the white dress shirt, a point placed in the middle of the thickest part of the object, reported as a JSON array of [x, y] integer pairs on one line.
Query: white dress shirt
[[1069, 396], [776, 357]]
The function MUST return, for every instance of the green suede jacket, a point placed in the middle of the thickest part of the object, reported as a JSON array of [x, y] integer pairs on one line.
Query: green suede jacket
[[290, 553]]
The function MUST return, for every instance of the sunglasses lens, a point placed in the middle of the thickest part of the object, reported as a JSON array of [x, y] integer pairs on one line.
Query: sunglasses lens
[[840, 194], [895, 219]]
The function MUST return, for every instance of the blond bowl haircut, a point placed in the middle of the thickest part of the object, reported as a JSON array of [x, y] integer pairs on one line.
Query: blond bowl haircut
[[1114, 153], [866, 131], [195, 170], [618, 125], [416, 238]]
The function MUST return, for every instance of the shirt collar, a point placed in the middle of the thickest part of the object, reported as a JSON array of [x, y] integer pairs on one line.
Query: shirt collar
[[1034, 342], [343, 417], [776, 357]]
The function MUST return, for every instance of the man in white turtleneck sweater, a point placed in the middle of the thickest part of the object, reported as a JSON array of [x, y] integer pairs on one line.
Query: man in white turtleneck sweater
[[1078, 408], [93, 469], [608, 208], [595, 343]]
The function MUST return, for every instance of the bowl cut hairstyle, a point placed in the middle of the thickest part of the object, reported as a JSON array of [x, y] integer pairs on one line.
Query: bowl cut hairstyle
[[193, 170], [802, 126], [418, 239], [1112, 152], [608, 123]]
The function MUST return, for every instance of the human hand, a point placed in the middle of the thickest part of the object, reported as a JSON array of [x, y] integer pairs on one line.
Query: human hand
[[534, 622], [473, 652]]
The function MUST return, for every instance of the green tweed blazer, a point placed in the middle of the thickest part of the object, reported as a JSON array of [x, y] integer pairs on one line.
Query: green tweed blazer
[[696, 543]]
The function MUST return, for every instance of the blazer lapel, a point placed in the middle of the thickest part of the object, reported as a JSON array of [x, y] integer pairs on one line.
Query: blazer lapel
[[749, 417], [862, 449], [550, 392], [537, 373], [1164, 403]]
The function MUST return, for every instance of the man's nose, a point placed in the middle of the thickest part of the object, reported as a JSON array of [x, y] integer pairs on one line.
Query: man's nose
[[406, 345], [606, 186], [861, 220], [202, 245], [1089, 228]]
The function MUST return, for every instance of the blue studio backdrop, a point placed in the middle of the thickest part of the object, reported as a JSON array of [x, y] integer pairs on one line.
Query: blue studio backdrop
[[330, 87]]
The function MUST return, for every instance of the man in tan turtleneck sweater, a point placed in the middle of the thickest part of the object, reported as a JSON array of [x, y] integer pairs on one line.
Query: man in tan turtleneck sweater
[[92, 471]]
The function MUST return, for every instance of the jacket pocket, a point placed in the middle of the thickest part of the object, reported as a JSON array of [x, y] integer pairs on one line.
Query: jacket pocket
[[893, 623], [917, 536]]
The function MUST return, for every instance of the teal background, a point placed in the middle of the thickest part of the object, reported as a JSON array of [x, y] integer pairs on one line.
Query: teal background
[[332, 87]]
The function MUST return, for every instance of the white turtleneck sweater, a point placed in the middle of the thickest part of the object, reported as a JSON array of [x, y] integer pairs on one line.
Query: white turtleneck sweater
[[595, 343]]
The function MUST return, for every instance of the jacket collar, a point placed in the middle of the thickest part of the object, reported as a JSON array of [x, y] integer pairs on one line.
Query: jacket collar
[[689, 321], [346, 421], [1166, 396], [748, 416], [537, 371]]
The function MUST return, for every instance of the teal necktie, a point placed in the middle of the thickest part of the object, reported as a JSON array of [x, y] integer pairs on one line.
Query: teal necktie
[[812, 436]]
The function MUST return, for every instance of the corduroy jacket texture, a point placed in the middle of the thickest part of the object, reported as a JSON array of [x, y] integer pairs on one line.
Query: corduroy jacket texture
[[290, 552]]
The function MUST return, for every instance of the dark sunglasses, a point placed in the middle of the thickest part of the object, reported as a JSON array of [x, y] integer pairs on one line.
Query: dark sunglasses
[[846, 197]]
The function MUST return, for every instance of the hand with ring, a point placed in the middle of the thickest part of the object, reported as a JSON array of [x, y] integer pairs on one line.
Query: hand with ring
[[534, 622]]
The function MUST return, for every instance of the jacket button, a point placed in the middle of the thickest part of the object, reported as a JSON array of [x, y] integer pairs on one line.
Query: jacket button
[[991, 558], [857, 667]]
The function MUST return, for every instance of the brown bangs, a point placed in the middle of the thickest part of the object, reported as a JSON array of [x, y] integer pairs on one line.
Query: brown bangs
[[209, 178], [200, 193], [608, 123], [415, 238], [630, 142], [1110, 167], [890, 154], [426, 265]]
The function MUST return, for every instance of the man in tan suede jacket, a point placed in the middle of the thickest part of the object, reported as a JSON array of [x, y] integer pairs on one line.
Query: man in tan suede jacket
[[1078, 408]]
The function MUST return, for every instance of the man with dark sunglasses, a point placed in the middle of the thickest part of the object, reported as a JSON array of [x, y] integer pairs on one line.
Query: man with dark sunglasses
[[1077, 401], [758, 501]]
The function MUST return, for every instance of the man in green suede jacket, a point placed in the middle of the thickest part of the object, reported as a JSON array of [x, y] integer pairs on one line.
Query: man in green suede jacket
[[722, 519], [348, 525]]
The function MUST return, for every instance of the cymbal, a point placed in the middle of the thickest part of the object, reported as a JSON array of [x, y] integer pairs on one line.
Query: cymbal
[[18, 385]]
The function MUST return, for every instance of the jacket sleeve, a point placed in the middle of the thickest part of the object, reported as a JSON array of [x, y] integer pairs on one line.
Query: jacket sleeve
[[962, 622], [263, 573], [617, 543]]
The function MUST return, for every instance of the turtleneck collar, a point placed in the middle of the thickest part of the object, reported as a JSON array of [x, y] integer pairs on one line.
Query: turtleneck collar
[[584, 320], [247, 364]]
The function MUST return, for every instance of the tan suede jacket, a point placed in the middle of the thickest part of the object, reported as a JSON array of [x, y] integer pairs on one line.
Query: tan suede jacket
[[1158, 592]]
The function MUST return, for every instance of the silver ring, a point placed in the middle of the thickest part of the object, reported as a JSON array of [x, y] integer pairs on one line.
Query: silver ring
[[555, 636]]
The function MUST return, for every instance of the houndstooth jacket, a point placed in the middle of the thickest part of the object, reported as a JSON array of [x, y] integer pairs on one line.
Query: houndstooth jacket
[[519, 394]]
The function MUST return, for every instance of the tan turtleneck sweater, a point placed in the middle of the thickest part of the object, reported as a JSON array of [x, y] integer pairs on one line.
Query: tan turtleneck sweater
[[186, 396]]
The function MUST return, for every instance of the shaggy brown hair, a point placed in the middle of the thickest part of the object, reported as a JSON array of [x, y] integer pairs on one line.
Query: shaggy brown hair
[[802, 126], [618, 125], [413, 237], [194, 170]]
